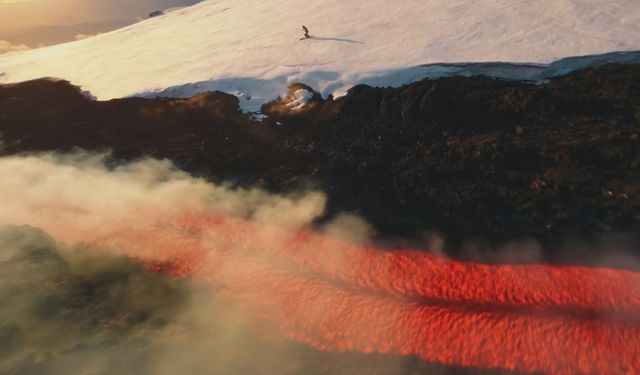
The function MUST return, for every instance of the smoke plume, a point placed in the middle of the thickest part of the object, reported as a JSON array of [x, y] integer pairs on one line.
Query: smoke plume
[[69, 307], [143, 268]]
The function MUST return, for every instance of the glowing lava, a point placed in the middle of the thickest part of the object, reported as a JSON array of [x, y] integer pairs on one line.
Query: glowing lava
[[341, 297]]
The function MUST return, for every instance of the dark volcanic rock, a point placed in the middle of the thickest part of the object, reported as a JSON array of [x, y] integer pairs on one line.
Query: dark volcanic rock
[[156, 13], [465, 156]]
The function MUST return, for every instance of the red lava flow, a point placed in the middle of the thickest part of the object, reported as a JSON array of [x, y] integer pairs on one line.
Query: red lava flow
[[340, 297]]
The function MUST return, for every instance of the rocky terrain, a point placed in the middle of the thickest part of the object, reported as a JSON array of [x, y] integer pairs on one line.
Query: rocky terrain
[[467, 157]]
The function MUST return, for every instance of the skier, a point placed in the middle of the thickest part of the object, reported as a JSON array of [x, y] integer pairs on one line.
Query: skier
[[306, 32]]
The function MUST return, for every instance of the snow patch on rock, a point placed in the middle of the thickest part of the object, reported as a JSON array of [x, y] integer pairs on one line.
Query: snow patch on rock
[[300, 98]]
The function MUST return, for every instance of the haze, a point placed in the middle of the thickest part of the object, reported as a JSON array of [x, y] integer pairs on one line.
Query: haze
[[33, 23]]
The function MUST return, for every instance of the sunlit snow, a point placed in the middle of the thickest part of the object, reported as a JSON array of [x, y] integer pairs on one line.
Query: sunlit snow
[[253, 49]]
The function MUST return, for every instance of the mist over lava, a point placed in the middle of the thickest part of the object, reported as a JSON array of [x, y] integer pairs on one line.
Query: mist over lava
[[195, 276]]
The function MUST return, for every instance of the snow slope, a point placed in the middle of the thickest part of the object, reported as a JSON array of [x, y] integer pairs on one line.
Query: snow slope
[[252, 48]]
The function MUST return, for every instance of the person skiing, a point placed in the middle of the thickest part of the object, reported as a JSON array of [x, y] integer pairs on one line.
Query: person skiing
[[306, 32]]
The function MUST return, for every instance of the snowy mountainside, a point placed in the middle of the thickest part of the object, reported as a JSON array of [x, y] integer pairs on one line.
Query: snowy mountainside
[[253, 49]]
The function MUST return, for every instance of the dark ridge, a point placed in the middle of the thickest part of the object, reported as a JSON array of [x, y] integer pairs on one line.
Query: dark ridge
[[469, 157]]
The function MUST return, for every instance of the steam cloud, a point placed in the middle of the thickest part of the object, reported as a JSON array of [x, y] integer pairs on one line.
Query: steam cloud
[[79, 190], [68, 307], [232, 259]]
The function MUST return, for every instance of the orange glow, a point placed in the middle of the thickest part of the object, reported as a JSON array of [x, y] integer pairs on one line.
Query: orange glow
[[340, 297]]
